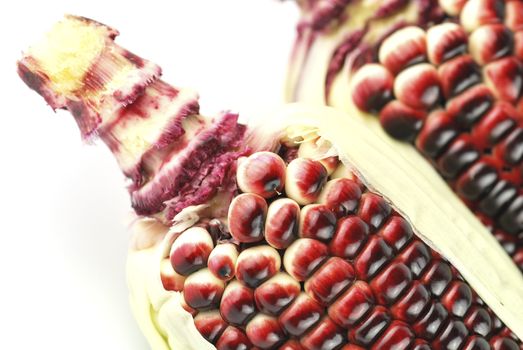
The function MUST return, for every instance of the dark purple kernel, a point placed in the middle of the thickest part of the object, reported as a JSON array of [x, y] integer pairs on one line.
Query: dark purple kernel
[[478, 321], [460, 155], [458, 299], [498, 198], [437, 277], [504, 343], [416, 257], [512, 218], [372, 258], [476, 181], [189, 258], [373, 210], [514, 147], [233, 339], [401, 121], [458, 75], [325, 336], [389, 285], [396, 232], [349, 238], [436, 134], [370, 329], [202, 296], [452, 337], [237, 306], [412, 304], [477, 343], [422, 346], [503, 44], [301, 316], [318, 222], [431, 321], [332, 279], [246, 216], [469, 107]]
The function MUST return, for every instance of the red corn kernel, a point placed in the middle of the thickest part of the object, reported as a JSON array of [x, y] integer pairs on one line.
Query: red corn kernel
[[478, 321], [476, 13], [372, 87], [403, 48], [325, 336], [262, 173], [281, 227], [470, 106], [210, 325], [396, 232], [476, 343], [330, 280], [349, 238], [397, 336], [458, 298], [416, 256], [461, 153], [436, 134], [458, 74], [171, 280], [418, 86], [265, 332], [490, 42], [390, 284], [437, 277], [222, 261], [514, 15], [291, 345], [505, 78], [246, 217], [495, 125], [191, 250], [431, 321], [412, 304], [317, 222], [372, 258], [301, 315], [237, 304], [341, 196], [275, 294], [233, 339], [352, 305], [453, 336], [368, 331], [202, 290], [401, 121], [374, 210], [304, 180], [303, 257], [445, 41], [257, 264]]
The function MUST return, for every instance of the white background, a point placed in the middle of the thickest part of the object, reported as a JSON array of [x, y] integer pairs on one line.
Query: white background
[[63, 206]]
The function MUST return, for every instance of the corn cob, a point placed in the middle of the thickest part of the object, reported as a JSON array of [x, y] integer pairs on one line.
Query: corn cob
[[286, 236], [445, 77]]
